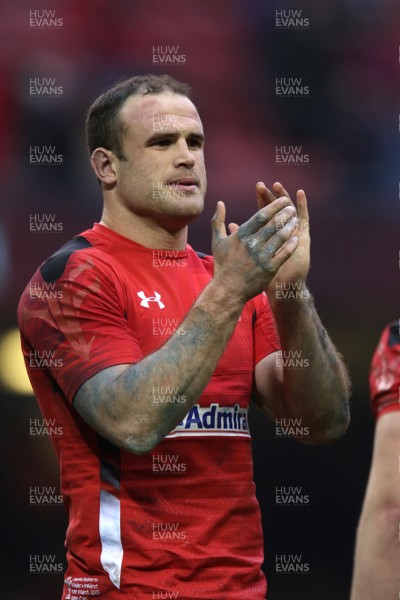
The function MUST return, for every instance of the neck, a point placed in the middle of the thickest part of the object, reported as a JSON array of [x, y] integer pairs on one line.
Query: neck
[[145, 231]]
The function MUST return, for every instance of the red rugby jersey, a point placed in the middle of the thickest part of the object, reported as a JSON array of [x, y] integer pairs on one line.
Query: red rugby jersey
[[182, 521], [385, 372]]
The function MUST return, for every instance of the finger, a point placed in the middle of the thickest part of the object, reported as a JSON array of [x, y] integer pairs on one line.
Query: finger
[[218, 228], [277, 241], [294, 234], [275, 245], [302, 208], [281, 219], [280, 190], [232, 227], [260, 194], [286, 252], [262, 217], [264, 195]]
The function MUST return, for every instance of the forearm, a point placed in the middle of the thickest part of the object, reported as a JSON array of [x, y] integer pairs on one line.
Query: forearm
[[377, 558], [316, 385], [151, 397]]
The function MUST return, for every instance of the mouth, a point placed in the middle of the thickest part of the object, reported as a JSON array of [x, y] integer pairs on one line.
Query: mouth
[[185, 183]]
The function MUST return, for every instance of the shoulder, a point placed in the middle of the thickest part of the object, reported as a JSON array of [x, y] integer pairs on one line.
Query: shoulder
[[384, 376], [54, 267], [390, 338], [385, 364], [75, 271], [79, 252]]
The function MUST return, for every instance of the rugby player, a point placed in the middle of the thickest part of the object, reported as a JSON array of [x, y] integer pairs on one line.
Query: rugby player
[[377, 558], [161, 350]]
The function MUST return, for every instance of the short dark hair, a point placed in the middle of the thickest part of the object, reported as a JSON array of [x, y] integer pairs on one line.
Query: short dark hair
[[103, 125]]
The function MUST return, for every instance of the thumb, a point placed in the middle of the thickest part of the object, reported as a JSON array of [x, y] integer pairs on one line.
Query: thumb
[[218, 228]]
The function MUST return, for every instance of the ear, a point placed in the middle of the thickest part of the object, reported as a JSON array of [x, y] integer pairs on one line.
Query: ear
[[103, 164]]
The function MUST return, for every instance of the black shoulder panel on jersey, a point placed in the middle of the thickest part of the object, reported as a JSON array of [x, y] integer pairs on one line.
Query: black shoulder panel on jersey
[[394, 335], [201, 254], [54, 266]]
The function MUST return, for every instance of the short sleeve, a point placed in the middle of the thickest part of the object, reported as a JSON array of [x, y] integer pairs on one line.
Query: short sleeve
[[77, 326], [266, 338], [385, 372]]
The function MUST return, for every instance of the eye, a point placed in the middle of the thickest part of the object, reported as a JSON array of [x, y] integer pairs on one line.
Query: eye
[[164, 142], [195, 143]]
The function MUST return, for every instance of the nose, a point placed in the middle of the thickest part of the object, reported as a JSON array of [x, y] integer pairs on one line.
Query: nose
[[184, 157]]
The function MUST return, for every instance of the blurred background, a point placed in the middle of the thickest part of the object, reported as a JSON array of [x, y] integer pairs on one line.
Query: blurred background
[[339, 135]]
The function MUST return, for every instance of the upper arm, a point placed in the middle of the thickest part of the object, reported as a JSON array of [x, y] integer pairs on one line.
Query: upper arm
[[268, 381], [82, 325], [96, 402]]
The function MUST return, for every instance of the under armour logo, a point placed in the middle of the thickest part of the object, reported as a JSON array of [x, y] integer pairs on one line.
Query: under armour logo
[[145, 301]]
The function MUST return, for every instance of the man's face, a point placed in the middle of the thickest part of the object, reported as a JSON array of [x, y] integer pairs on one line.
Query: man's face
[[163, 176]]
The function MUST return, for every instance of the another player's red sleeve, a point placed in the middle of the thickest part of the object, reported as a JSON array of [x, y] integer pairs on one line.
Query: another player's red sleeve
[[385, 372], [266, 338], [81, 327]]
